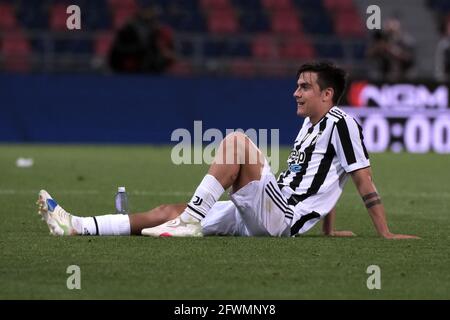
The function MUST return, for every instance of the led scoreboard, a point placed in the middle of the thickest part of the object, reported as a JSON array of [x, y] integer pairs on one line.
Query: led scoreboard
[[411, 117]]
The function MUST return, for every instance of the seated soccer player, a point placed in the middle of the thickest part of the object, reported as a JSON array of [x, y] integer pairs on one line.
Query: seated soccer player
[[328, 149]]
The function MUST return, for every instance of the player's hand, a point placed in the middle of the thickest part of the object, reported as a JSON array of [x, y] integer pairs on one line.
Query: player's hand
[[341, 234], [399, 236]]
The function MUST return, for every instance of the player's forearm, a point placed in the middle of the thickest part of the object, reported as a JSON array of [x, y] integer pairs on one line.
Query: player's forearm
[[372, 202], [378, 217], [374, 206], [328, 223], [328, 226]]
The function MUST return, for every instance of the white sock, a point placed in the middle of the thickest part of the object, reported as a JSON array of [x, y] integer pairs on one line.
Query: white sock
[[107, 225], [207, 193], [77, 223]]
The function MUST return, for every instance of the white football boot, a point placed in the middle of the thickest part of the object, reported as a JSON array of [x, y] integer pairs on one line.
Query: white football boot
[[176, 228], [58, 220]]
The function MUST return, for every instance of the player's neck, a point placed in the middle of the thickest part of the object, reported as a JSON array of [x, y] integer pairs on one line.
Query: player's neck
[[315, 119]]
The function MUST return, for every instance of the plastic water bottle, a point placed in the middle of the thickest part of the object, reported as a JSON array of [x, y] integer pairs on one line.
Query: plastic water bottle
[[121, 201]]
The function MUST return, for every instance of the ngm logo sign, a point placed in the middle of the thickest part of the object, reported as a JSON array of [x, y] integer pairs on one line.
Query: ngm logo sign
[[399, 97], [407, 117]]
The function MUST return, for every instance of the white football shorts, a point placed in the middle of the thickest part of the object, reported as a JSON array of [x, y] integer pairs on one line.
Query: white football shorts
[[257, 209]]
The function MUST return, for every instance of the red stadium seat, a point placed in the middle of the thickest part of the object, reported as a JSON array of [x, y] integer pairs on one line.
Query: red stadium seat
[[117, 4], [103, 43], [222, 22], [181, 68], [166, 36], [120, 17], [264, 47], [277, 4], [338, 5], [122, 11], [285, 22], [348, 24], [16, 51], [8, 19], [242, 68], [58, 17], [296, 48]]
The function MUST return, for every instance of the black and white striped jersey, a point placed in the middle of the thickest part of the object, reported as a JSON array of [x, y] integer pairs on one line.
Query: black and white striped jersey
[[318, 166]]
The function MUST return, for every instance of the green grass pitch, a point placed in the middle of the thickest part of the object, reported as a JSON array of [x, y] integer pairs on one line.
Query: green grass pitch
[[83, 179]]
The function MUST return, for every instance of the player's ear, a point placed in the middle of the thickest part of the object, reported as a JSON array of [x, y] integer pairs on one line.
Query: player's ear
[[327, 94]]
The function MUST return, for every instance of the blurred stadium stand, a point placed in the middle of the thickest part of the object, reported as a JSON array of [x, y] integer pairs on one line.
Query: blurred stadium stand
[[244, 38]]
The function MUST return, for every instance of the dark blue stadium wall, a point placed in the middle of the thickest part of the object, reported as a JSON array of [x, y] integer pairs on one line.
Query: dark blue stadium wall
[[139, 109]]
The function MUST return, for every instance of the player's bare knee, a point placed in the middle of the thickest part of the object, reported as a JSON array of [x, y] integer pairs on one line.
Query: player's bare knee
[[235, 135], [237, 138], [237, 146]]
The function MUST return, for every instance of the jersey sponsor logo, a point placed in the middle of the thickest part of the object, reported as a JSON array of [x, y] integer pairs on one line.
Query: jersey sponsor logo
[[295, 168], [295, 160], [296, 157]]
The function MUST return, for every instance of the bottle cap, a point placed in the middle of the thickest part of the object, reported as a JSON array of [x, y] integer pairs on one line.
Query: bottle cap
[[121, 189]]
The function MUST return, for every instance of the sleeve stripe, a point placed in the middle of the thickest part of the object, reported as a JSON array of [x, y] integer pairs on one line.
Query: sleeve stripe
[[346, 141], [366, 154]]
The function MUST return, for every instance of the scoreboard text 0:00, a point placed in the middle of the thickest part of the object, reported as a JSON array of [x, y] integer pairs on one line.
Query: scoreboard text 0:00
[[416, 133]]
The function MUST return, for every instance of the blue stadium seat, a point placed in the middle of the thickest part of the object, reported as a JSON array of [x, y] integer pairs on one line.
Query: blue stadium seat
[[329, 50], [440, 5], [214, 48], [96, 15], [81, 3], [148, 3], [187, 5], [358, 50], [33, 15], [238, 48], [186, 48], [314, 17], [161, 4], [183, 15], [39, 45], [248, 5], [73, 44], [317, 21], [224, 48], [253, 21], [252, 16], [187, 22], [304, 5]]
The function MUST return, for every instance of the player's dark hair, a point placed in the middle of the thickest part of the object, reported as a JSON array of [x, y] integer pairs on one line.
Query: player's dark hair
[[328, 76]]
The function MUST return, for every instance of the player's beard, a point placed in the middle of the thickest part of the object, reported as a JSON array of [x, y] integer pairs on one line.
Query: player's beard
[[301, 111]]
